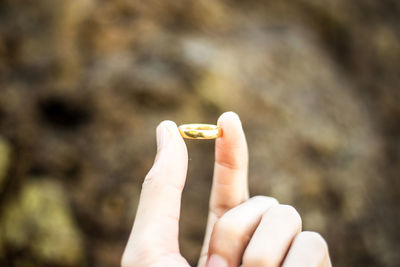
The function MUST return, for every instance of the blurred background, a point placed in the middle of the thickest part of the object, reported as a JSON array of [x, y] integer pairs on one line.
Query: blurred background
[[84, 83]]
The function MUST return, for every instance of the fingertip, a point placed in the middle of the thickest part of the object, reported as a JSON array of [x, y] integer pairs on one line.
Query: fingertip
[[168, 133], [167, 124], [170, 126], [232, 129], [228, 117]]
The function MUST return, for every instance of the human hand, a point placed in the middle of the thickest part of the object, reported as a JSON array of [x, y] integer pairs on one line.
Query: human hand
[[252, 232]]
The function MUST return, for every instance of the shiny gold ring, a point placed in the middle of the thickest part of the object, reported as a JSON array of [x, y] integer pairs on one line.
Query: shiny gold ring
[[200, 131]]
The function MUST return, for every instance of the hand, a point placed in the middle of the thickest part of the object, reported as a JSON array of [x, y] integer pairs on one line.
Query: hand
[[252, 232]]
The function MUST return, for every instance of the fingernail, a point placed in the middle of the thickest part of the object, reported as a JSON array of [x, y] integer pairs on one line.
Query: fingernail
[[217, 261], [164, 132]]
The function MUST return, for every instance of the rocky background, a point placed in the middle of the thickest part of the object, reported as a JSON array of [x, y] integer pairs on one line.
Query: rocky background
[[84, 83]]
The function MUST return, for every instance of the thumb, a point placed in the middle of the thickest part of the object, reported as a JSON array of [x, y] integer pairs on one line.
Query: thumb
[[156, 226]]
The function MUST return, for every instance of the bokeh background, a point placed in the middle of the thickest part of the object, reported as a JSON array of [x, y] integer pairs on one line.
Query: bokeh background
[[84, 83]]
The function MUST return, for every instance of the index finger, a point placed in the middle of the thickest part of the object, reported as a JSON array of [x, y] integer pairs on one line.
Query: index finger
[[230, 186]]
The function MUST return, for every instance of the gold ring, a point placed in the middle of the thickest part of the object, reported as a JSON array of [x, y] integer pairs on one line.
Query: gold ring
[[200, 131]]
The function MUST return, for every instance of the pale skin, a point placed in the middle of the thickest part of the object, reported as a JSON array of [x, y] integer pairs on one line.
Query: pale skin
[[256, 231]]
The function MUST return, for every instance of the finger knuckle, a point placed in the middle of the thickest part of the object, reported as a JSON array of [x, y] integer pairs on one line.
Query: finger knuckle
[[149, 183], [256, 260], [265, 199], [150, 177], [287, 213], [313, 240], [292, 213], [227, 228], [230, 163], [253, 262]]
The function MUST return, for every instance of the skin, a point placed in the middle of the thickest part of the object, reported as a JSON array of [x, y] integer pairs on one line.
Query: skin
[[255, 231]]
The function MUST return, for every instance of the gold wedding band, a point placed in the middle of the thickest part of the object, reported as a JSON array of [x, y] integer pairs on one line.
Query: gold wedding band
[[200, 131]]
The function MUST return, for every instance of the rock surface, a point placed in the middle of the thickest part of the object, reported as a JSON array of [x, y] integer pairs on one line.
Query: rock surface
[[39, 225], [5, 154]]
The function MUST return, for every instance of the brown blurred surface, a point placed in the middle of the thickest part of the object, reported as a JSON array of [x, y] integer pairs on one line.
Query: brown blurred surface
[[84, 83]]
